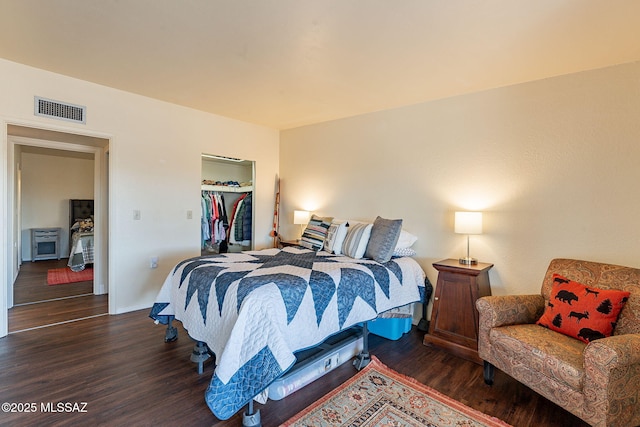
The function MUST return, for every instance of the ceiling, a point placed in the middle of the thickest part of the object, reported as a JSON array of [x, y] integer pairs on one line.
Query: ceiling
[[288, 63]]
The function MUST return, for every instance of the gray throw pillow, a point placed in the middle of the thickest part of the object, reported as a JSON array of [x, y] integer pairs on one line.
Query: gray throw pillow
[[384, 236]]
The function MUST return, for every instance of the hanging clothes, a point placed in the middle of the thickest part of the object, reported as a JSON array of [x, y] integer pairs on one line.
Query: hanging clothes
[[205, 219], [242, 222], [247, 221], [223, 225], [237, 208], [213, 219], [219, 228], [221, 231]]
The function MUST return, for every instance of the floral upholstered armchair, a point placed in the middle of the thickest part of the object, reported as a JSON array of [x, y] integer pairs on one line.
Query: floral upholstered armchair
[[557, 342]]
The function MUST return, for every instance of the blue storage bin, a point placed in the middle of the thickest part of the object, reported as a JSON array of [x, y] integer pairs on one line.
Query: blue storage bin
[[392, 328]]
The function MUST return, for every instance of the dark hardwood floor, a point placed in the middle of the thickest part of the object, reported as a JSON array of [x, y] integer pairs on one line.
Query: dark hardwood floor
[[125, 373], [37, 304], [31, 283]]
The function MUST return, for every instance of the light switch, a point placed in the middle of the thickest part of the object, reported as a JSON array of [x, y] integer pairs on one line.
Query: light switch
[[136, 215]]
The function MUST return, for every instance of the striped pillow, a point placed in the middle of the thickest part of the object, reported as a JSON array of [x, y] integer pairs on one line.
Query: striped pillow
[[335, 236], [315, 233], [357, 238]]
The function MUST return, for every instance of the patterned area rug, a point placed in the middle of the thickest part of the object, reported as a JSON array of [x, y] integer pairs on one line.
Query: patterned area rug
[[378, 396], [59, 276]]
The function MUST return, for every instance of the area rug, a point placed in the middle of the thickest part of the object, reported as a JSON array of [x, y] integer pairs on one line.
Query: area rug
[[378, 396], [60, 276]]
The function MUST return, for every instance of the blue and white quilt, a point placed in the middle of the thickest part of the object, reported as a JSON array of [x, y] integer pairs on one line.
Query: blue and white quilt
[[255, 309]]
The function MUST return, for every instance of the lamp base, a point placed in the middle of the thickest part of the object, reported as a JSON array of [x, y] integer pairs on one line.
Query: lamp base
[[468, 261]]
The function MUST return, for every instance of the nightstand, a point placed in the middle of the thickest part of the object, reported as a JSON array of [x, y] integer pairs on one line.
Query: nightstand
[[454, 317], [45, 243]]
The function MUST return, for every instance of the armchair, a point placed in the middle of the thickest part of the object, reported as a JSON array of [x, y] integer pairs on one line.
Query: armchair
[[598, 381]]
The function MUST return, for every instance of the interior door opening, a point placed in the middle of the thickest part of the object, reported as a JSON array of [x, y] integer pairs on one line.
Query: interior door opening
[[36, 147]]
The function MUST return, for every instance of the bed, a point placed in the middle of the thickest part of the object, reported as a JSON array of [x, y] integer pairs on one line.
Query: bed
[[255, 309], [81, 213]]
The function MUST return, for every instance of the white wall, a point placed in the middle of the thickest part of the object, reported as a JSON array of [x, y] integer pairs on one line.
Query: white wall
[[554, 164], [226, 171], [48, 182], [155, 167]]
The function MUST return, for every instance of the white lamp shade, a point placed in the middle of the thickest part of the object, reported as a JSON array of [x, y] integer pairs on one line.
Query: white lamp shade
[[468, 222], [301, 217]]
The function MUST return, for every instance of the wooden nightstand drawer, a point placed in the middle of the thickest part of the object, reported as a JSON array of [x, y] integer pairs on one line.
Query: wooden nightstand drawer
[[45, 243], [46, 232]]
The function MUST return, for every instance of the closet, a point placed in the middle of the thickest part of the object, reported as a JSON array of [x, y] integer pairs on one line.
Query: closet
[[227, 208]]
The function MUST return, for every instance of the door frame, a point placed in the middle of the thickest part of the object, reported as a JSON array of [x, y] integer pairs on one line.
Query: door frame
[[10, 262]]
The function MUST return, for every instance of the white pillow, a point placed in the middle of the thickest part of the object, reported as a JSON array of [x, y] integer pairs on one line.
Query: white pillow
[[406, 240], [402, 252], [335, 236], [355, 243]]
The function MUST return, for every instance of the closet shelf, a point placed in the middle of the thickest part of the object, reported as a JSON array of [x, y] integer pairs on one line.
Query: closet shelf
[[228, 189]]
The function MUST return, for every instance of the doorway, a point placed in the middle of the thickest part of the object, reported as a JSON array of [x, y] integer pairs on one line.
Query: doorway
[[31, 300]]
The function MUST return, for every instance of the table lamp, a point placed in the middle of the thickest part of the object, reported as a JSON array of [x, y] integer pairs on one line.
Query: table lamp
[[468, 223], [301, 218]]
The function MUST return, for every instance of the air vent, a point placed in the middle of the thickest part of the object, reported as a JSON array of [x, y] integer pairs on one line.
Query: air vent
[[230, 159], [60, 110]]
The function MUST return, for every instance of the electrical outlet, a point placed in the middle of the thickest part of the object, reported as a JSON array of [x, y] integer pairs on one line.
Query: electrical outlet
[[136, 214], [154, 262]]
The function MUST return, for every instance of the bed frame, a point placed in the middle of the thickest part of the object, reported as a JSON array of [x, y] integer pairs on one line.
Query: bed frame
[[251, 418]]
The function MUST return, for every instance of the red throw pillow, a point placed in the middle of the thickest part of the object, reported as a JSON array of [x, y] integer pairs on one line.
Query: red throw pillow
[[580, 311]]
